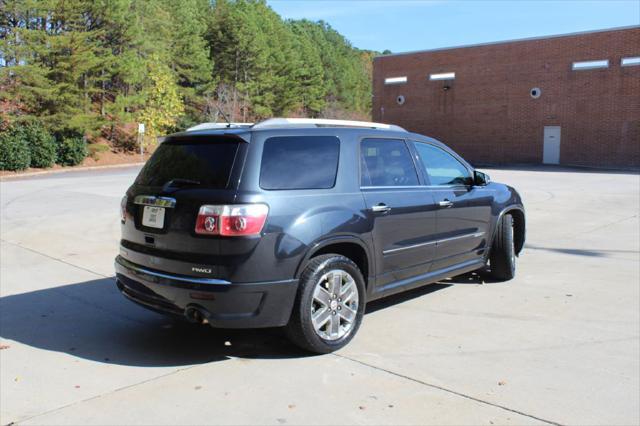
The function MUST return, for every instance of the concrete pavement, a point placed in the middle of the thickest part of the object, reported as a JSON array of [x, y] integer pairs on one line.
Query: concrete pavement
[[557, 345]]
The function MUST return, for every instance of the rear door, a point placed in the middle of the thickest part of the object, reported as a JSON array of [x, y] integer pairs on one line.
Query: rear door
[[162, 205], [464, 210], [402, 210]]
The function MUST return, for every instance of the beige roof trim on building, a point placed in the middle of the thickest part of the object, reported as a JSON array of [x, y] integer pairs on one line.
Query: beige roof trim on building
[[630, 27]]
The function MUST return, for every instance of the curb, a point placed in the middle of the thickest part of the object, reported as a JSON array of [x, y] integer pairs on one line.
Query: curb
[[69, 170]]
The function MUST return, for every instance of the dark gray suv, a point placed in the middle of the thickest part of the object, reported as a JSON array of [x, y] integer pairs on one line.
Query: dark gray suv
[[299, 223]]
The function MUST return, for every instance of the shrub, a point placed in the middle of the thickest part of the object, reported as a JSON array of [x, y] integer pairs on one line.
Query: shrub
[[14, 150], [42, 145], [71, 150]]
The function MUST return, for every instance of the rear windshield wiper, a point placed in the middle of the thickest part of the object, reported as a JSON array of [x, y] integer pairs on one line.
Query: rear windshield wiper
[[181, 182]]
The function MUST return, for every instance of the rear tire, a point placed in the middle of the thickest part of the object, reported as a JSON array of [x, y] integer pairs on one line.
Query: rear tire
[[502, 259], [329, 306]]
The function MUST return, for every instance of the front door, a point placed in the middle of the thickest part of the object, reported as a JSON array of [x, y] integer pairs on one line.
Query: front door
[[551, 148], [403, 212], [464, 211]]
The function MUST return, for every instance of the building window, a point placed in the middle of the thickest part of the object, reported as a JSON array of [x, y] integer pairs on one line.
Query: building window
[[630, 62], [395, 80], [443, 76], [535, 92], [590, 65]]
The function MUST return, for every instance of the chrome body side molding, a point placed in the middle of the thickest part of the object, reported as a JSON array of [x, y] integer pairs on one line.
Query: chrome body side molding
[[436, 242]]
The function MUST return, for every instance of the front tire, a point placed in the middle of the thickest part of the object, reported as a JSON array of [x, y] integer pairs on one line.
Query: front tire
[[329, 305], [502, 259]]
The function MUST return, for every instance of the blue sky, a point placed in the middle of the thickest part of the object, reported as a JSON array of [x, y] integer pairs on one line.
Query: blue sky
[[405, 25]]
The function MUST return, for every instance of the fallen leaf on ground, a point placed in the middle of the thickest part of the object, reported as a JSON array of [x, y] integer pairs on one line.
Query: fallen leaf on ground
[[362, 407], [502, 383]]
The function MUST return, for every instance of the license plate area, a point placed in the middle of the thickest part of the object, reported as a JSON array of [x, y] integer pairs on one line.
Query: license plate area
[[153, 217]]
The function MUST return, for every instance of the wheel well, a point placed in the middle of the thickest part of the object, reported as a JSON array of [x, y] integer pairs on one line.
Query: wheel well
[[352, 251], [518, 229]]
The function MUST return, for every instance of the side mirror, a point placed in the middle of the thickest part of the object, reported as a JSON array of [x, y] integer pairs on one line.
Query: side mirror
[[480, 179]]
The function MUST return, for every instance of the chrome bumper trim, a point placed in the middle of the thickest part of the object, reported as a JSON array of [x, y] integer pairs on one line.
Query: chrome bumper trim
[[151, 200], [138, 270]]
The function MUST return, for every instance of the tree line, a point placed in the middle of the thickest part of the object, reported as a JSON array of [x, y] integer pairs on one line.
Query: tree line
[[89, 68]]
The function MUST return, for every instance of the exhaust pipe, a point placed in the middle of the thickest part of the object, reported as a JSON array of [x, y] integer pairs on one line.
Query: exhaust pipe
[[196, 315]]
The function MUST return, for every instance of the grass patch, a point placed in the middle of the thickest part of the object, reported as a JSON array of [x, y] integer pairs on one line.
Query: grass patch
[[96, 148]]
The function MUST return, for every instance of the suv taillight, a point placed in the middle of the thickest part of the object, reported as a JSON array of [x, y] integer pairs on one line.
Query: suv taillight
[[123, 209], [232, 220]]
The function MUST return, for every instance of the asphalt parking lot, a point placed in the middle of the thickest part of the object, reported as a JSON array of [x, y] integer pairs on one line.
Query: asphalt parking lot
[[557, 345]]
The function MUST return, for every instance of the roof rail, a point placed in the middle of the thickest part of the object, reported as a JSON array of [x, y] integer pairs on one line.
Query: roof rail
[[279, 123], [212, 126]]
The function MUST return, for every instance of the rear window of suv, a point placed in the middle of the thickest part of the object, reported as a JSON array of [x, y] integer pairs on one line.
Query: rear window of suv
[[206, 162], [299, 162]]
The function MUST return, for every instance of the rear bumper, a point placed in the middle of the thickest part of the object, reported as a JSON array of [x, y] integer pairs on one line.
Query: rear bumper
[[225, 305]]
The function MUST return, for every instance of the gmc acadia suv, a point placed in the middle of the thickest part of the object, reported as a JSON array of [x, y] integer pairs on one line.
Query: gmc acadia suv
[[299, 223]]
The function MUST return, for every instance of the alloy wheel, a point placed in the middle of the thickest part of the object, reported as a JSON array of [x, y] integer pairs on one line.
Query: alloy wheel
[[335, 305]]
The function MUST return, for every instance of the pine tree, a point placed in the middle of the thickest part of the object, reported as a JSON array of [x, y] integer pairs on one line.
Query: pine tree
[[309, 74], [51, 62], [187, 49], [82, 66]]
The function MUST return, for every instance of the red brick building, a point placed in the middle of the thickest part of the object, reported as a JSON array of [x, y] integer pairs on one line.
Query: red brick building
[[570, 99]]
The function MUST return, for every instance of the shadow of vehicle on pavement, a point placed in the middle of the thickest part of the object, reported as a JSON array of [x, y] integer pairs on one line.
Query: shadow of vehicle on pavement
[[550, 168], [92, 320], [583, 252]]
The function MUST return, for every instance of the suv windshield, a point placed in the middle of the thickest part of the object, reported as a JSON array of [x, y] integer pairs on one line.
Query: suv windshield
[[202, 162]]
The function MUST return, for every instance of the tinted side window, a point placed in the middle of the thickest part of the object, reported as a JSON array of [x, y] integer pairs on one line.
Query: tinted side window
[[386, 162], [299, 162], [441, 167]]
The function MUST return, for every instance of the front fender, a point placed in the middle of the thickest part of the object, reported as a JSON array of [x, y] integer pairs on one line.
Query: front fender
[[508, 201]]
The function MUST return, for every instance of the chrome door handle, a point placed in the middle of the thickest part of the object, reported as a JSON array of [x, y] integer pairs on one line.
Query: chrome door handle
[[445, 204], [380, 208]]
